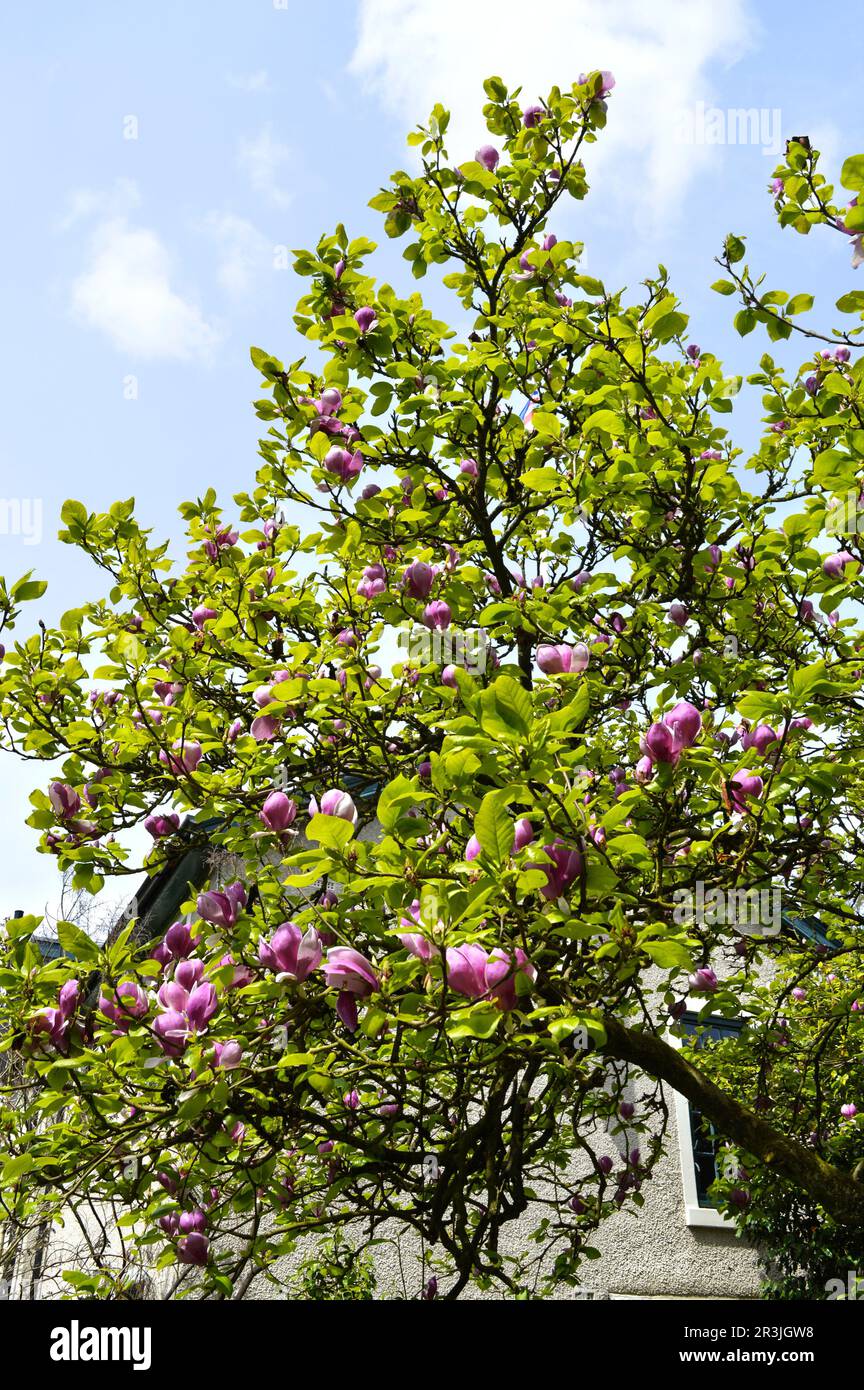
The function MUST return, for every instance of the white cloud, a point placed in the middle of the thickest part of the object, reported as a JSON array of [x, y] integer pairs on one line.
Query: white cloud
[[117, 201], [243, 251], [126, 293], [251, 81], [263, 159], [412, 53]]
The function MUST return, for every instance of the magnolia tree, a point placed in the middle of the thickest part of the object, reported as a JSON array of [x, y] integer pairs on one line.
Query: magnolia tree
[[478, 874]]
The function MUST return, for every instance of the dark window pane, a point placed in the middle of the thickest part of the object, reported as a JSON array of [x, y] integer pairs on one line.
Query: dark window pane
[[706, 1140]]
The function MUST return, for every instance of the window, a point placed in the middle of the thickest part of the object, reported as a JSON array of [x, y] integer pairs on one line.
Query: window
[[698, 1140]]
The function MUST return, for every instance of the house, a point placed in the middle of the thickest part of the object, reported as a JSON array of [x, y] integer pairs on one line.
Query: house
[[678, 1246]]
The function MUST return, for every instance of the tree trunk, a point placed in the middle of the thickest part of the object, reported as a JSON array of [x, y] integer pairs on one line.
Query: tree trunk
[[835, 1190]]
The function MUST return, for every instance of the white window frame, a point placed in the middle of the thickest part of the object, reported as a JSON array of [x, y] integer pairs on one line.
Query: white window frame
[[694, 1215]]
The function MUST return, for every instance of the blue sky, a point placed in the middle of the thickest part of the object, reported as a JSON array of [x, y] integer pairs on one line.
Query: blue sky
[[156, 158]]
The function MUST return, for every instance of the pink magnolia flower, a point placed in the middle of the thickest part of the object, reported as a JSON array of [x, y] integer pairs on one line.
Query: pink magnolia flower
[[685, 721], [202, 614], [742, 787], [849, 1111], [836, 564], [52, 1022], [448, 677], [64, 800], [418, 945], [561, 659], [703, 980], [192, 1221], [241, 974], [159, 825], [353, 975], [437, 615], [679, 728], [759, 738], [365, 318], [523, 834], [501, 976], [265, 728], [201, 1006], [222, 909], [660, 744], [418, 579], [184, 758], [193, 1249], [179, 941], [291, 952], [278, 812], [414, 941], [488, 156], [334, 803], [172, 1032], [645, 769], [477, 974], [374, 581], [187, 974], [185, 1013], [565, 868], [127, 1003], [343, 464], [678, 614]]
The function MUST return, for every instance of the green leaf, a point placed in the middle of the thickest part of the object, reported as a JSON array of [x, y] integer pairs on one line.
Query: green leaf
[[76, 942], [589, 285], [563, 720], [475, 172], [852, 173], [474, 1023], [72, 512], [127, 647], [669, 326], [605, 420], [669, 955], [799, 304], [306, 868], [267, 365], [851, 303], [16, 1167], [27, 589], [546, 425], [506, 711], [396, 797], [629, 846], [723, 287], [493, 826], [541, 479], [734, 248], [331, 831]]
